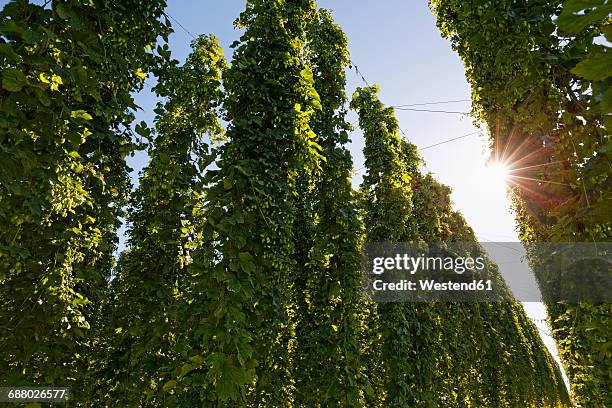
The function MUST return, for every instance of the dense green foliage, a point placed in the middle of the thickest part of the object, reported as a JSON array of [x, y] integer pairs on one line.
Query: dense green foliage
[[327, 364], [151, 280], [240, 343], [241, 282], [424, 356], [67, 74], [541, 78], [402, 369]]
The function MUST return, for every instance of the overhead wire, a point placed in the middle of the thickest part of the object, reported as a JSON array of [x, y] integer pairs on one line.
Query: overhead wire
[[431, 111], [450, 140], [361, 75], [403, 107], [432, 103], [179, 24], [435, 144]]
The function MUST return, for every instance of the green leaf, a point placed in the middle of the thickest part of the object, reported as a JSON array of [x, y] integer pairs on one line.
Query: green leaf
[[80, 114], [233, 284], [591, 11], [231, 379], [13, 80], [246, 262], [62, 10], [7, 51], [169, 385], [186, 369], [597, 66], [142, 129], [198, 360], [35, 207]]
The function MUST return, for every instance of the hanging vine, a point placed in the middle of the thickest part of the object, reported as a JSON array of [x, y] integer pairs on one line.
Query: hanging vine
[[151, 278], [436, 362], [404, 367], [327, 366], [540, 81], [241, 275], [67, 71]]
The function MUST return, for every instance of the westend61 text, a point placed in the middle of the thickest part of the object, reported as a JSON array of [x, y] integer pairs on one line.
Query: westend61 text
[[432, 285]]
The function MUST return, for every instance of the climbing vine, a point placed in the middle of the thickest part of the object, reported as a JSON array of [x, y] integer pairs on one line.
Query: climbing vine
[[327, 366], [387, 202], [422, 361], [151, 280], [541, 82], [67, 74], [239, 308]]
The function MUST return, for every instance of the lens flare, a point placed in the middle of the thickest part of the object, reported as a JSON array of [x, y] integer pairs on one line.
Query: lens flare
[[498, 171], [496, 176]]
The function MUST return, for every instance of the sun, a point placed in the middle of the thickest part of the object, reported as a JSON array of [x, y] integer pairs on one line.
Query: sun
[[497, 175], [498, 171]]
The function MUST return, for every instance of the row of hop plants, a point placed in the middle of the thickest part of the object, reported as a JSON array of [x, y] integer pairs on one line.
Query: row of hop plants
[[541, 82], [241, 282]]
